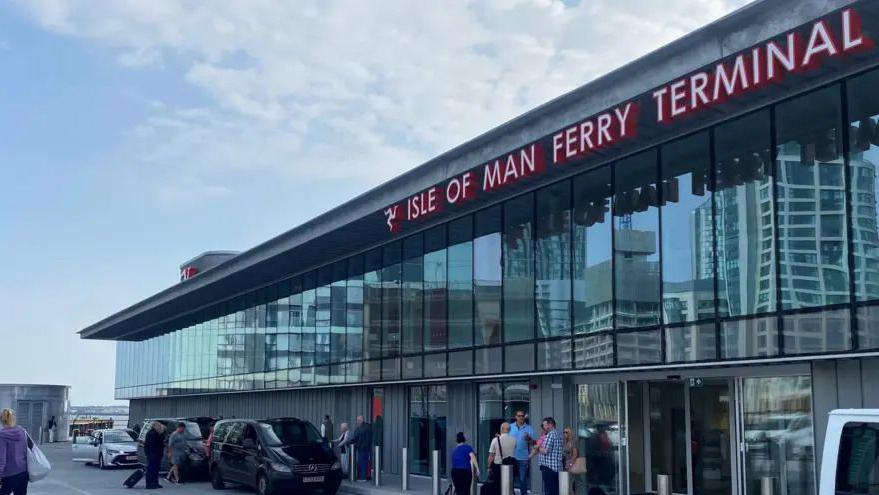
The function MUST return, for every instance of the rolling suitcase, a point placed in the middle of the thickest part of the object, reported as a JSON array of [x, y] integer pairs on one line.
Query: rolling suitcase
[[133, 479]]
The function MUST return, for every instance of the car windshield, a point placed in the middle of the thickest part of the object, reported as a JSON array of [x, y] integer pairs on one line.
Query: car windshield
[[192, 431], [118, 437], [285, 432]]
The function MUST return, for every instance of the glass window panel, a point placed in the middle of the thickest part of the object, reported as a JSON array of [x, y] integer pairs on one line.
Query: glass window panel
[[634, 348], [354, 304], [491, 415], [489, 360], [778, 434], [487, 279], [593, 351], [391, 369], [412, 367], [809, 156], [691, 343], [519, 357], [392, 275], [354, 372], [824, 331], [597, 436], [413, 297], [518, 259], [338, 321], [435, 312], [435, 365], [372, 302], [554, 355], [868, 327], [460, 260], [461, 363], [372, 370], [863, 112], [636, 241], [419, 434], [749, 338], [744, 224], [322, 311], [688, 259], [553, 260], [592, 243]]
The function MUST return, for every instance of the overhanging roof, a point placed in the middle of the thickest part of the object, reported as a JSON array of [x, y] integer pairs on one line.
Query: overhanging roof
[[357, 224]]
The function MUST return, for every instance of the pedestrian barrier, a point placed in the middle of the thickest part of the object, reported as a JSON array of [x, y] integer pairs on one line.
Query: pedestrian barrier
[[435, 471], [506, 480], [377, 465], [663, 484], [352, 463], [564, 483], [405, 471], [767, 486]]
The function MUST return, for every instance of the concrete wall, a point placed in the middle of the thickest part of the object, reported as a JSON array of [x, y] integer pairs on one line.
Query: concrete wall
[[54, 401]]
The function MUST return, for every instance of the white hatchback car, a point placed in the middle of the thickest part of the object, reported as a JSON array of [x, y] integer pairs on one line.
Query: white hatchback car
[[107, 448]]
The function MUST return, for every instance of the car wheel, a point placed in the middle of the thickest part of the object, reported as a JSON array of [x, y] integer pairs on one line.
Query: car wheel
[[262, 485], [217, 481], [101, 464]]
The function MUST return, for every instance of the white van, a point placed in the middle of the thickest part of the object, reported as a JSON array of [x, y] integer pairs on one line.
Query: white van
[[850, 465]]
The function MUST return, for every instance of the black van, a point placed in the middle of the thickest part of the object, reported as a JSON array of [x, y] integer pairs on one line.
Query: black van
[[283, 455], [197, 462]]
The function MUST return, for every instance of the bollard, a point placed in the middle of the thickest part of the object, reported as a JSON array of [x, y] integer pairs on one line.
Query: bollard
[[377, 465], [474, 490], [767, 485], [564, 483], [405, 472], [506, 480], [663, 484], [352, 463], [434, 471]]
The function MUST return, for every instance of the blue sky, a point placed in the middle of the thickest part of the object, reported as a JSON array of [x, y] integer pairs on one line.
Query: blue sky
[[134, 135]]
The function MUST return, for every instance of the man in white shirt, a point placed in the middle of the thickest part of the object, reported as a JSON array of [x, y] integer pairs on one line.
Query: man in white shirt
[[503, 446]]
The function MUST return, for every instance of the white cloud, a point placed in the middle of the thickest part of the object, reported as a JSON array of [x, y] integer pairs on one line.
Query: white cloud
[[359, 90]]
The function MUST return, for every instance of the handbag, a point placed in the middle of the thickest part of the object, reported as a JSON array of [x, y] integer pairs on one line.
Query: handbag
[[38, 466], [579, 466]]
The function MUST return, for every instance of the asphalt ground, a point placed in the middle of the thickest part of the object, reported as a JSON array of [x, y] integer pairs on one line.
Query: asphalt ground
[[76, 478]]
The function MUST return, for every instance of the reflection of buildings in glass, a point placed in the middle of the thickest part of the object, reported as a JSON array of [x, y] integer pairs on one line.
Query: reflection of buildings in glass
[[864, 231]]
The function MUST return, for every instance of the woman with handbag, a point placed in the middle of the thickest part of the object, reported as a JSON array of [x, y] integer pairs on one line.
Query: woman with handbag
[[464, 465], [13, 455], [574, 464]]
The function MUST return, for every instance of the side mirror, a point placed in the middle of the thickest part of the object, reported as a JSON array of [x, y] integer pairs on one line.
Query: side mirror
[[249, 444], [95, 441]]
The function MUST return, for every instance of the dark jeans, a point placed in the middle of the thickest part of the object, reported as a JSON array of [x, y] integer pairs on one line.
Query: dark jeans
[[152, 470], [461, 479], [15, 484], [550, 481], [362, 464], [524, 476]]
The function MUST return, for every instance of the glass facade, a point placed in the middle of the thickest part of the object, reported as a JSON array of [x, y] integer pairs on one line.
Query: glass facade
[[756, 237]]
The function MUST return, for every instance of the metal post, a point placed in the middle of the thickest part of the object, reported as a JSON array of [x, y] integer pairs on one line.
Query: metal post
[[564, 483], [405, 471], [352, 463], [377, 465], [767, 485], [473, 482], [506, 480], [434, 471], [663, 484]]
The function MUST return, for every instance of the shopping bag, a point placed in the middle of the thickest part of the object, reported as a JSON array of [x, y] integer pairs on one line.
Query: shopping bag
[[38, 466]]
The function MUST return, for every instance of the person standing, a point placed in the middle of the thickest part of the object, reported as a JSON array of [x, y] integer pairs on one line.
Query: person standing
[[464, 465], [502, 447], [178, 449], [326, 428], [50, 427], [550, 458], [341, 443], [524, 435], [570, 453], [153, 448], [13, 455], [362, 441]]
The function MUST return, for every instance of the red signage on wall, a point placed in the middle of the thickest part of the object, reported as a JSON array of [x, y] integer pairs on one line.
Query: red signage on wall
[[187, 273], [798, 52]]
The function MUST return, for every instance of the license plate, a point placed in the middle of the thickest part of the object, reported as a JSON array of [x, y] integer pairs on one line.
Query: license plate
[[312, 479], [131, 458]]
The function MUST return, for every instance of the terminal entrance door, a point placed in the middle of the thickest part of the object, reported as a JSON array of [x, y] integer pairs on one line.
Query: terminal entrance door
[[681, 429]]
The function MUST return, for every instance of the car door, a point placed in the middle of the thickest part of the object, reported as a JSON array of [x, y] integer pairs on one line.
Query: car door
[[232, 452], [99, 445], [250, 457], [85, 448]]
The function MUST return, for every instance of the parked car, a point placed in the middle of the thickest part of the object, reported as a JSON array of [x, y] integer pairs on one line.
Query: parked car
[[197, 462], [106, 448], [205, 423], [850, 463], [283, 455]]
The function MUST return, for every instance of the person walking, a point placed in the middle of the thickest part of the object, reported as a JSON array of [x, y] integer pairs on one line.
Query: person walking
[[502, 447], [550, 458], [153, 448], [13, 455], [362, 440], [524, 435], [342, 444], [464, 465], [177, 454], [326, 428], [570, 453], [50, 428]]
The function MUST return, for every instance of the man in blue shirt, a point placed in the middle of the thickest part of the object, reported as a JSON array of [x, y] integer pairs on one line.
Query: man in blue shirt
[[524, 435]]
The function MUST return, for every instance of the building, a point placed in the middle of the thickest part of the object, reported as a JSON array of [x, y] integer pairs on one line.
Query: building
[[35, 405], [679, 260]]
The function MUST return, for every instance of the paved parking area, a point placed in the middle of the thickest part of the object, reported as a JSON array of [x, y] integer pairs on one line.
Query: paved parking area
[[75, 478]]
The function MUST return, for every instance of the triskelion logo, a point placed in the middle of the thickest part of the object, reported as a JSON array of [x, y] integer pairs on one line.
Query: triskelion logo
[[392, 215]]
